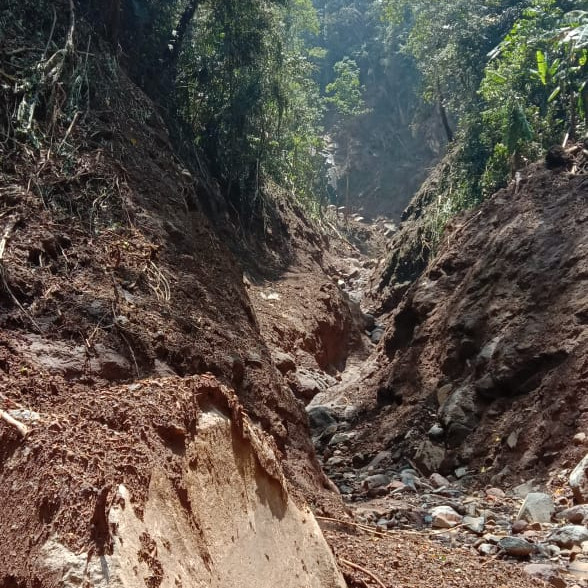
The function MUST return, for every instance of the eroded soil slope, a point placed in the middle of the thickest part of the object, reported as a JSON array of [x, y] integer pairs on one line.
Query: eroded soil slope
[[483, 364], [114, 292]]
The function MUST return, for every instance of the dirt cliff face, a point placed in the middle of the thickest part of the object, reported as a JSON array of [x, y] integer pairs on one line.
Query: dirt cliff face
[[489, 346], [160, 483]]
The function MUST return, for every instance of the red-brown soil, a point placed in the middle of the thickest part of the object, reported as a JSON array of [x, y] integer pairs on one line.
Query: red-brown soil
[[112, 278], [115, 288]]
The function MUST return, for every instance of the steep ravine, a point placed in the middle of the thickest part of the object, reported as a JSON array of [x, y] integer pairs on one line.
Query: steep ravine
[[174, 390]]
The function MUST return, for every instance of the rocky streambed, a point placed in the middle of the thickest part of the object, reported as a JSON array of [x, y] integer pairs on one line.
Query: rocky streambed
[[538, 524]]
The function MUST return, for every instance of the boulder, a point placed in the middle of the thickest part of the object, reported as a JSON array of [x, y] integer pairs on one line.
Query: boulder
[[376, 335], [474, 524], [516, 546], [444, 517], [429, 457], [458, 415], [538, 507], [579, 481], [569, 536], [546, 573], [320, 418], [379, 458], [409, 478], [376, 481], [340, 439], [305, 386], [436, 432], [575, 515]]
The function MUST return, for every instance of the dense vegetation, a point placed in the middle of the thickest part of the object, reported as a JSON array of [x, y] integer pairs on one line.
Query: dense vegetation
[[509, 79], [261, 86]]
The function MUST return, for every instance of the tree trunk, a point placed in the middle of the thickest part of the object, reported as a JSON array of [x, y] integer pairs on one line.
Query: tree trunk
[[181, 31], [113, 23], [443, 113], [573, 120]]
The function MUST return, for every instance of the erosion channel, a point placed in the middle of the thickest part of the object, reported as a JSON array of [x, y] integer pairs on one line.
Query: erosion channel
[[210, 376]]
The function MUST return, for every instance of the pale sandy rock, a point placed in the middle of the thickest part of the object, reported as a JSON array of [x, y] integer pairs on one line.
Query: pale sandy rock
[[579, 481], [546, 573], [444, 517], [249, 533], [538, 507]]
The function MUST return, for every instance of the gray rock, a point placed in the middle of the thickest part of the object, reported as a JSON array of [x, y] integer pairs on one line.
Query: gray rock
[[461, 472], [369, 321], [350, 412], [489, 515], [538, 507], [444, 517], [376, 335], [438, 481], [516, 546], [458, 415], [568, 536], [575, 515], [522, 490], [551, 550], [22, 414], [474, 524], [76, 569], [409, 479], [512, 440], [429, 457], [320, 418], [436, 432], [305, 386], [579, 481], [376, 481], [546, 573], [379, 458], [340, 438], [487, 549]]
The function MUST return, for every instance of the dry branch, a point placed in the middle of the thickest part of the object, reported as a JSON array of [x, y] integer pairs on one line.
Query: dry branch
[[360, 526], [22, 429], [362, 569], [6, 236]]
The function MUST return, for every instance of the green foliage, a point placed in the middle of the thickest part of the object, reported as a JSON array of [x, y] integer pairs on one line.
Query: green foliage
[[247, 90], [345, 92], [449, 42], [511, 74]]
